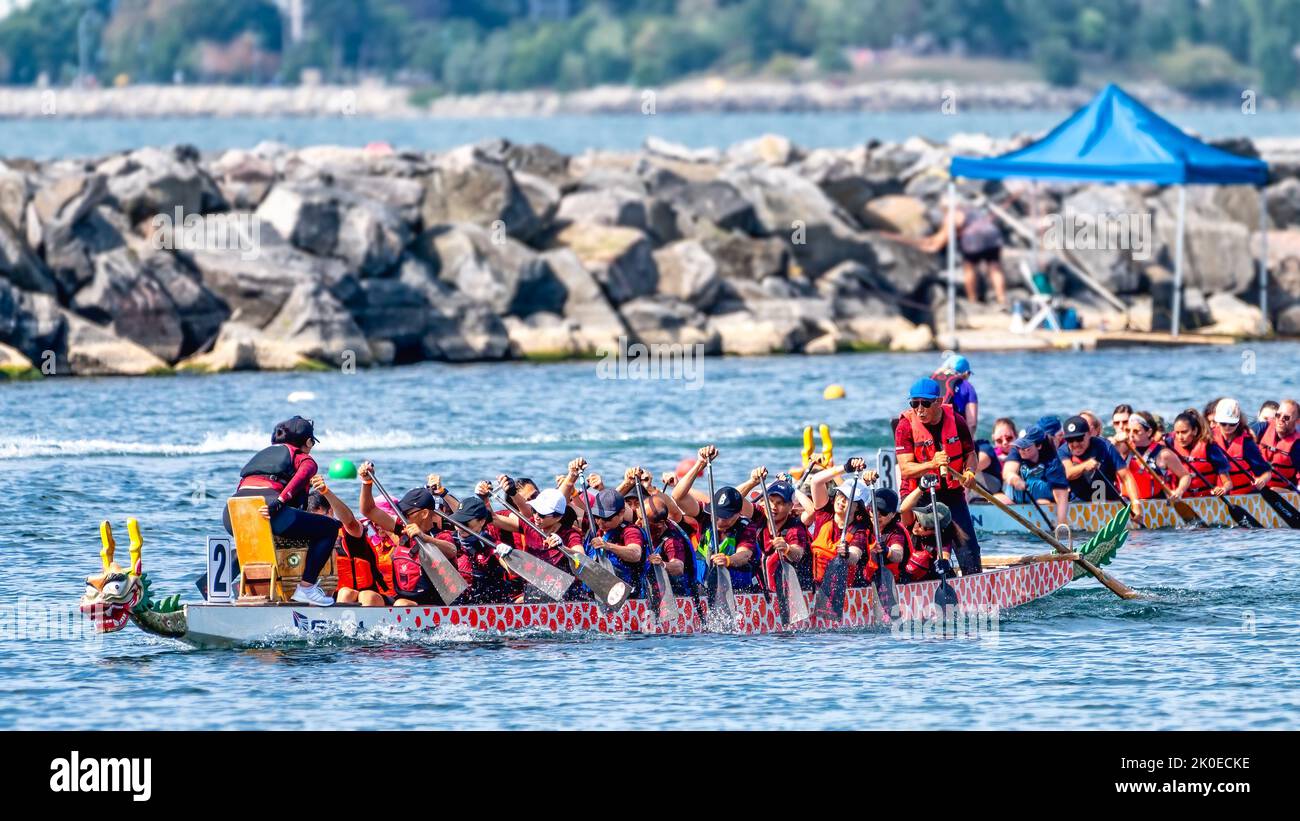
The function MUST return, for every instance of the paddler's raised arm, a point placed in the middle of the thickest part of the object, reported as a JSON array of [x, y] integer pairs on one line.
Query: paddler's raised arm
[[747, 487], [682, 490], [347, 519], [434, 484], [817, 484], [369, 510]]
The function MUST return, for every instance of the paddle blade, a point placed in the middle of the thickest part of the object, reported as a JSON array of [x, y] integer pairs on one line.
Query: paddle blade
[[944, 595], [608, 589], [1240, 516], [444, 576], [796, 600], [886, 589], [1185, 511], [550, 580], [722, 596], [1283, 508], [667, 608], [829, 603]]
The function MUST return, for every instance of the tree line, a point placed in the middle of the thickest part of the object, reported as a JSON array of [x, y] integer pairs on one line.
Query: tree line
[[1204, 47]]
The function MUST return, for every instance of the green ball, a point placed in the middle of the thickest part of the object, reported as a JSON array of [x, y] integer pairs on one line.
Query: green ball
[[343, 469]]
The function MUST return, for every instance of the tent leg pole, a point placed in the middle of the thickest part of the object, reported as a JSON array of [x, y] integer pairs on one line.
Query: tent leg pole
[[952, 264], [1178, 259], [1263, 256]]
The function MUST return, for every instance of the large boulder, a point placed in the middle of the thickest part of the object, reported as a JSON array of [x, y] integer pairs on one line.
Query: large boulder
[[305, 215], [742, 257], [15, 364], [129, 302], [458, 327], [15, 192], [151, 181], [688, 272], [1235, 318], [1288, 321], [668, 321], [60, 202], [767, 327], [899, 213], [1090, 209], [465, 187], [545, 336], [393, 312], [241, 347], [714, 203], [33, 323], [1217, 246], [606, 206], [598, 327], [769, 149], [820, 234], [243, 178], [70, 253], [621, 259], [315, 324], [540, 161], [497, 270], [201, 312], [19, 265], [93, 350], [1283, 199], [255, 284]]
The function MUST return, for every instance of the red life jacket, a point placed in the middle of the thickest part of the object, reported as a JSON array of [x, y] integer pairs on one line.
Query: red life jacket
[[1277, 450], [1243, 481], [825, 544], [1204, 477], [897, 568], [1147, 487], [924, 449]]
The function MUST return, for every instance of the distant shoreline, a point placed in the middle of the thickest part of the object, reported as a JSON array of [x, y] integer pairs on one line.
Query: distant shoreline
[[702, 95]]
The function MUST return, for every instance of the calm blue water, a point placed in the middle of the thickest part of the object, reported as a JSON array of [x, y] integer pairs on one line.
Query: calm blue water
[[52, 137], [1212, 647]]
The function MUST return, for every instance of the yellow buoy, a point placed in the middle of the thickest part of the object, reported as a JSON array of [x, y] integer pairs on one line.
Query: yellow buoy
[[833, 392]]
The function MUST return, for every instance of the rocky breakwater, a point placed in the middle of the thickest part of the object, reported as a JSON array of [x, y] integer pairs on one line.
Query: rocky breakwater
[[275, 258]]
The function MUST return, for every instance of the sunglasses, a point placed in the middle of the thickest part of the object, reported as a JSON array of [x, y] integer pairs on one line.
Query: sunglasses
[[1285, 417], [922, 403], [1004, 439]]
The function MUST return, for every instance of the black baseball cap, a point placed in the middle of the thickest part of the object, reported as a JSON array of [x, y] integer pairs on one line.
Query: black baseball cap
[[886, 501], [1076, 427], [295, 431], [418, 499], [727, 502], [469, 511]]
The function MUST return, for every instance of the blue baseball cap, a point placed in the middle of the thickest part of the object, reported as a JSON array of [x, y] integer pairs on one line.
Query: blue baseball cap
[[607, 503], [1050, 425], [925, 388], [1030, 436], [783, 489], [957, 364]]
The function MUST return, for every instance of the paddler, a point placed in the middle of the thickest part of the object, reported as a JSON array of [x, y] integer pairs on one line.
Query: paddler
[[365, 571], [674, 552], [827, 517], [1251, 472], [991, 455], [420, 508], [1034, 474], [1143, 441], [1095, 470], [490, 582], [1204, 460], [550, 512], [281, 474], [1119, 423], [1280, 445], [920, 564], [732, 514], [895, 543], [792, 541], [616, 539], [932, 438]]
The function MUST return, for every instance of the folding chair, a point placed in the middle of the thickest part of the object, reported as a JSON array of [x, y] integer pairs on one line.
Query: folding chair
[[1043, 300]]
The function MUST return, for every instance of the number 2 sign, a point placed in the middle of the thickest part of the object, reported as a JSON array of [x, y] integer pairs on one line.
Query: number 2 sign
[[222, 569]]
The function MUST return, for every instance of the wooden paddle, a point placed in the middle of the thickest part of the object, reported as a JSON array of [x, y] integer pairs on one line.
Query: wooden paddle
[[829, 602], [1281, 506], [944, 595], [444, 576], [663, 599], [722, 597], [1185, 510], [610, 590], [1114, 585], [790, 599]]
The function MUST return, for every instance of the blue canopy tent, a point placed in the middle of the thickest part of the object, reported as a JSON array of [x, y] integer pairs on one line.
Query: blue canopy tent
[[1115, 138]]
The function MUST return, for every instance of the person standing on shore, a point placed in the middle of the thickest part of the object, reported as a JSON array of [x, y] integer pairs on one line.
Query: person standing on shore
[[979, 241], [932, 438]]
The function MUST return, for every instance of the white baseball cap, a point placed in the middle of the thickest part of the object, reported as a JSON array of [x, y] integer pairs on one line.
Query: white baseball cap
[[1227, 412], [549, 501]]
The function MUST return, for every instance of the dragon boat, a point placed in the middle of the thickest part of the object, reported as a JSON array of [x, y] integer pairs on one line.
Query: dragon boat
[[120, 595], [1157, 514]]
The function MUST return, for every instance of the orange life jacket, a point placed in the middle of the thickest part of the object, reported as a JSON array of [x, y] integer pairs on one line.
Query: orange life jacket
[[1243, 481], [825, 544], [357, 573], [1204, 477], [1277, 450], [924, 449], [1147, 487]]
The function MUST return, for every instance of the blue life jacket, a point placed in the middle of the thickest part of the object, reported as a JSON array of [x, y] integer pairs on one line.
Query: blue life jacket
[[629, 573]]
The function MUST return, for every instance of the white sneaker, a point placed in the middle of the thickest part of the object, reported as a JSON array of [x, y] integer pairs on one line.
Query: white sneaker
[[311, 594]]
